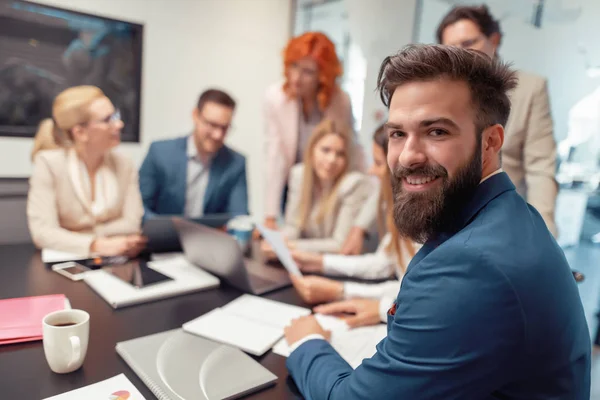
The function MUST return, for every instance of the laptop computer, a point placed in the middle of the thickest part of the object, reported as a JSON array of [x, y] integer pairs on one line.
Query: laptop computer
[[220, 254], [163, 237]]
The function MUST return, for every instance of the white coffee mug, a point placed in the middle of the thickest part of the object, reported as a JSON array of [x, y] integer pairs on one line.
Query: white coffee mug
[[66, 334]]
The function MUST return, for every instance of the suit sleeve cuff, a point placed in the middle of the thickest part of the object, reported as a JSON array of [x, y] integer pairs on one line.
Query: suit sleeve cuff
[[384, 305], [314, 336]]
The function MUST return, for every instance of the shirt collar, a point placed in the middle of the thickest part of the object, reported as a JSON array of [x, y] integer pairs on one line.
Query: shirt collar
[[192, 152], [496, 172]]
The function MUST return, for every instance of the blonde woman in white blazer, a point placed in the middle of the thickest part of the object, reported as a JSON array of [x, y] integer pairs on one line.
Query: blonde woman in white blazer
[[83, 197], [324, 197], [368, 301]]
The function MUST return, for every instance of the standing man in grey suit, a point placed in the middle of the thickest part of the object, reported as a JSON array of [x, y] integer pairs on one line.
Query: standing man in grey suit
[[529, 151]]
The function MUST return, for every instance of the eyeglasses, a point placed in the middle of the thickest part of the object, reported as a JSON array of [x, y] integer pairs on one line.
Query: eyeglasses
[[213, 125], [468, 43], [114, 117]]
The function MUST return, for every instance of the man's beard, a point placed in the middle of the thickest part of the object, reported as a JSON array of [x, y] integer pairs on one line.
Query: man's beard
[[423, 216]]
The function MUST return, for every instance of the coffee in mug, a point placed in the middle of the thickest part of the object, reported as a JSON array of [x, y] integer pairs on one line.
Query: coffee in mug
[[65, 336]]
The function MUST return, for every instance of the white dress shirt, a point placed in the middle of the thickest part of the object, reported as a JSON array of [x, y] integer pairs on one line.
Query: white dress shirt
[[198, 171]]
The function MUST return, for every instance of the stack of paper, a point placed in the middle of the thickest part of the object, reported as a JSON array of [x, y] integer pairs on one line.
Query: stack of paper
[[115, 388], [21, 318], [55, 256], [251, 323], [354, 345]]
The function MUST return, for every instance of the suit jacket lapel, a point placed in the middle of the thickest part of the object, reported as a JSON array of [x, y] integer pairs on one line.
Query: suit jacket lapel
[[76, 180], [179, 177], [290, 119], [485, 192], [218, 166]]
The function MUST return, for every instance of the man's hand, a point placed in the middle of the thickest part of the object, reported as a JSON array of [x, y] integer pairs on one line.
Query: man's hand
[[302, 327], [308, 262], [316, 289], [354, 242], [365, 311]]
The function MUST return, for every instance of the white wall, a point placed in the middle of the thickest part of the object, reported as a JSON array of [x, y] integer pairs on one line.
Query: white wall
[[380, 28], [190, 45]]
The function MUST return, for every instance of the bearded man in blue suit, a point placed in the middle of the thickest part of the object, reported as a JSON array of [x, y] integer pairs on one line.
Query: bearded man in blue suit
[[488, 308]]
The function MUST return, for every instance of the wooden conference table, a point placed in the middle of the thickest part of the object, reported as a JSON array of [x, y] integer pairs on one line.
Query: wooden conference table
[[24, 373]]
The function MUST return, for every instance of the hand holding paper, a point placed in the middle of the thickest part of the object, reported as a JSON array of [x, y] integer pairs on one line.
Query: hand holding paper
[[277, 242]]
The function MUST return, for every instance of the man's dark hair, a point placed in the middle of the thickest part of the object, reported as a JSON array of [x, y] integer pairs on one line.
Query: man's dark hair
[[488, 80], [215, 96], [479, 15]]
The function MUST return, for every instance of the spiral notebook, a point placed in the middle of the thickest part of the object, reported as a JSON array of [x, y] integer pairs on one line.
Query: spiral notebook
[[177, 365]]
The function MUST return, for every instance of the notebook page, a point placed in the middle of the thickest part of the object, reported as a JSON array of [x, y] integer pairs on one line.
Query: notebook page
[[248, 335], [269, 312]]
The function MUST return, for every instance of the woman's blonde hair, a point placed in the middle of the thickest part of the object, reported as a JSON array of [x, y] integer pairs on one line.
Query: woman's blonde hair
[[70, 108], [327, 203], [385, 211]]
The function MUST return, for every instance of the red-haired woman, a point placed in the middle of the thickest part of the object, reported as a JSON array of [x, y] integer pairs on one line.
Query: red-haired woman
[[295, 107]]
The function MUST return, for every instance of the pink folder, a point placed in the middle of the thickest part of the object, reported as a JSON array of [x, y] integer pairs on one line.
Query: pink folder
[[21, 318]]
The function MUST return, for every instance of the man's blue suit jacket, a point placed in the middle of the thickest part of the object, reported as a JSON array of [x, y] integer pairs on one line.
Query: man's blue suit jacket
[[163, 180], [489, 312]]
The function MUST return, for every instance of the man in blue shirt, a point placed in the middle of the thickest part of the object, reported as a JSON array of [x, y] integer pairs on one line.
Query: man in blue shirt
[[488, 308]]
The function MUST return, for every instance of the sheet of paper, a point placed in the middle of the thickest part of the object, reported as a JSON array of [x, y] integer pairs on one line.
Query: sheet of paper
[[275, 239], [115, 388], [52, 256], [250, 336], [353, 345], [269, 312]]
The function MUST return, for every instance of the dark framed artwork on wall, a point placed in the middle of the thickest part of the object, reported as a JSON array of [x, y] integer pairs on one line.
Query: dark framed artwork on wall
[[44, 50]]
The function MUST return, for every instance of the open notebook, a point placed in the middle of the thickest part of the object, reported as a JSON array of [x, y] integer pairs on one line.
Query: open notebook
[[250, 323], [353, 345], [176, 365]]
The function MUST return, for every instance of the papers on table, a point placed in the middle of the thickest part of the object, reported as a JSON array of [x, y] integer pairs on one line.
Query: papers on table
[[354, 345], [251, 323], [115, 388], [53, 256], [275, 239]]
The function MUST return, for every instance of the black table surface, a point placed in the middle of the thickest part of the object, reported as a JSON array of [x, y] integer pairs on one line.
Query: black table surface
[[24, 373]]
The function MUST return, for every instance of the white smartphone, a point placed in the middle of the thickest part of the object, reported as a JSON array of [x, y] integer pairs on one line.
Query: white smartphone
[[71, 270]]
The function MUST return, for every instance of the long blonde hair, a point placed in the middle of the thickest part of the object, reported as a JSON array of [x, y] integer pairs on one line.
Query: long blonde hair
[[327, 203], [385, 210], [70, 108]]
